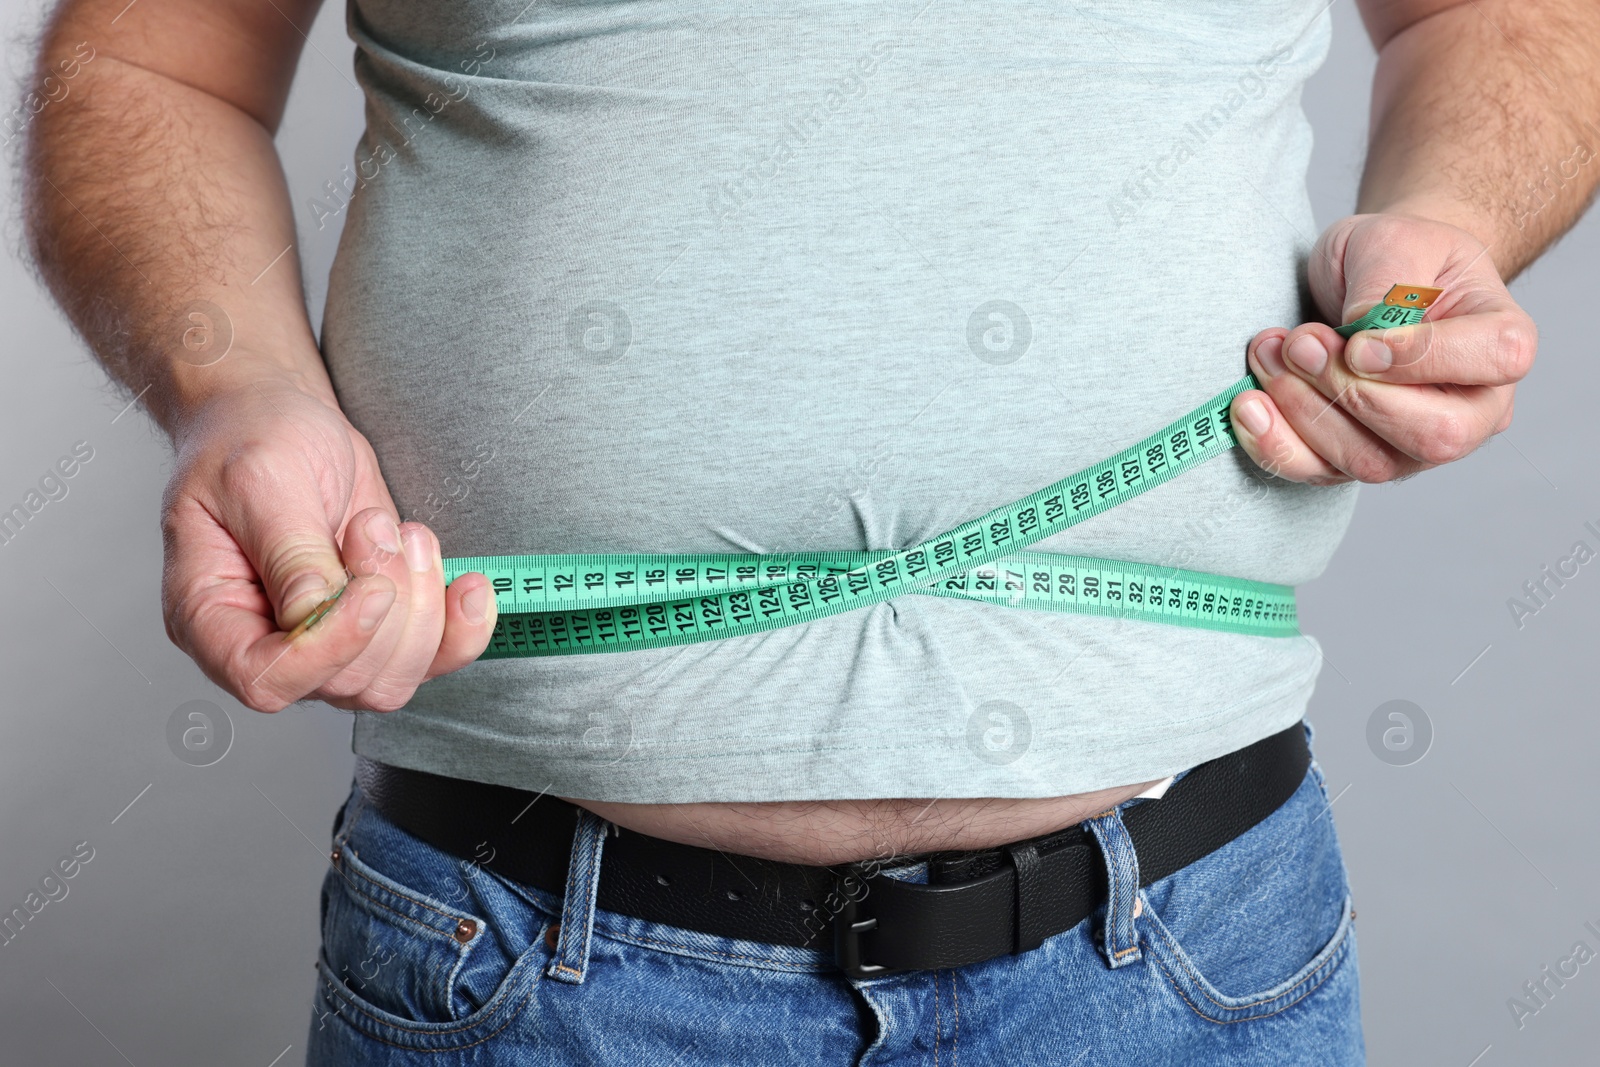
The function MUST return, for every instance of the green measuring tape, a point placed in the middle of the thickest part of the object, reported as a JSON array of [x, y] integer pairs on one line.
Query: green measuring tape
[[571, 604]]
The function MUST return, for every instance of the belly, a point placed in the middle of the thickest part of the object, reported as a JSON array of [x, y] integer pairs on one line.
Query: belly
[[844, 831], [701, 282]]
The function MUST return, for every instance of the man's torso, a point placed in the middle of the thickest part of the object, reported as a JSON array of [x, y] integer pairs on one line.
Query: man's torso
[[636, 278]]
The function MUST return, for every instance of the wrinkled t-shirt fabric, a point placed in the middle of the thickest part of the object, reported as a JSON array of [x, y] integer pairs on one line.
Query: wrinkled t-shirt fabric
[[656, 277]]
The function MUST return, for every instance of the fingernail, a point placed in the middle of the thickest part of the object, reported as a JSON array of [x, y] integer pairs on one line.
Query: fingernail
[[1269, 354], [375, 607], [475, 605], [384, 534], [1253, 416], [1371, 356], [307, 585], [419, 551], [1308, 354]]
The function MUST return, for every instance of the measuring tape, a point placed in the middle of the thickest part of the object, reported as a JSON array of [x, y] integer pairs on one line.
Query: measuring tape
[[557, 605]]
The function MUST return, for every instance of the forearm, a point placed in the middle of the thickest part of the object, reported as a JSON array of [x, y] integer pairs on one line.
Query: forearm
[[1482, 117], [146, 196]]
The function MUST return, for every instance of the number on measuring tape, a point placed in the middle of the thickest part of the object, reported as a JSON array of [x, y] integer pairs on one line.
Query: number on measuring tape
[[572, 604]]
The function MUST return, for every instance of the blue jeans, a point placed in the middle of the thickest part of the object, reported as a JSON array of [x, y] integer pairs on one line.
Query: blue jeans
[[1247, 956]]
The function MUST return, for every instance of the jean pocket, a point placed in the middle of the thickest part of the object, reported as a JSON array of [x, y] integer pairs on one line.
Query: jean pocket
[[410, 966], [1262, 923], [390, 946]]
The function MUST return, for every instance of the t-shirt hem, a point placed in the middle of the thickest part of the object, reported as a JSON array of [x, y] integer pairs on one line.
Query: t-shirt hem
[[911, 764]]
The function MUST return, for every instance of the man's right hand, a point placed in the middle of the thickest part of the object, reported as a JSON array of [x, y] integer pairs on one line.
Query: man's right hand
[[276, 504]]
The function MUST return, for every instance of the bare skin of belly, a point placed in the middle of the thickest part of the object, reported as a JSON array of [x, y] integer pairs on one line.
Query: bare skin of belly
[[844, 831]]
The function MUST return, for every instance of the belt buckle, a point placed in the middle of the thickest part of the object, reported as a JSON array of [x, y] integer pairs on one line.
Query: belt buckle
[[848, 926]]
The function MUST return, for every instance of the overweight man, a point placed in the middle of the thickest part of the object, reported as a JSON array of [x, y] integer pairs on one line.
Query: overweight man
[[653, 278]]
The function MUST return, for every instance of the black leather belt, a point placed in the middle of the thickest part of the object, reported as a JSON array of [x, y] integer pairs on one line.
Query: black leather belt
[[977, 904]]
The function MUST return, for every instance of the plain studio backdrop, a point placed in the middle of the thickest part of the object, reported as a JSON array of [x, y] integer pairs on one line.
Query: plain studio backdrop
[[189, 936]]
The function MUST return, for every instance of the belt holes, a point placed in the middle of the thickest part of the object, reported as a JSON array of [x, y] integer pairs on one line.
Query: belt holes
[[735, 895], [808, 905], [663, 881]]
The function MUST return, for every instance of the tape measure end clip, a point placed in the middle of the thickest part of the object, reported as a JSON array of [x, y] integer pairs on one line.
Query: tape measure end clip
[[1412, 296]]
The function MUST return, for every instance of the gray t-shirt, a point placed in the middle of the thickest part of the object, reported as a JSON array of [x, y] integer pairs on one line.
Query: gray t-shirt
[[675, 277]]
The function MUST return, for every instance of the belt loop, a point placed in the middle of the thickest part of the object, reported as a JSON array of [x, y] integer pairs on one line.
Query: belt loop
[[577, 906], [1032, 891], [1123, 906]]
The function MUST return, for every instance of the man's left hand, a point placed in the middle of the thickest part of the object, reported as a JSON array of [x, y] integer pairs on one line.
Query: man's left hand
[[1387, 403]]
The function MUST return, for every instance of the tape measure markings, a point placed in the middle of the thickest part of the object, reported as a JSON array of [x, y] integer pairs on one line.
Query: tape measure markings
[[1191, 440], [570, 604], [1402, 305]]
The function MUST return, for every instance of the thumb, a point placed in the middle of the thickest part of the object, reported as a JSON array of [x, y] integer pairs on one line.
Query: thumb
[[1349, 271], [300, 568], [281, 523], [1325, 272], [1376, 252]]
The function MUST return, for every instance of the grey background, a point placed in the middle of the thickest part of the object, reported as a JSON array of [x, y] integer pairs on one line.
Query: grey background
[[190, 935]]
